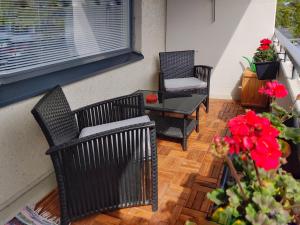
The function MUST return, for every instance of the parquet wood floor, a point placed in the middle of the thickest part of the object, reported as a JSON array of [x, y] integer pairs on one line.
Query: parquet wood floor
[[184, 178]]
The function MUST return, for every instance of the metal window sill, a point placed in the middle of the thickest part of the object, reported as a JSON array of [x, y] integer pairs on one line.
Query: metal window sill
[[24, 89]]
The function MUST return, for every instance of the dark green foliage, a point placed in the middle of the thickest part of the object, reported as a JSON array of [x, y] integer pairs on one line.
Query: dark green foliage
[[288, 16], [265, 56], [273, 203], [251, 64], [16, 13], [277, 117]]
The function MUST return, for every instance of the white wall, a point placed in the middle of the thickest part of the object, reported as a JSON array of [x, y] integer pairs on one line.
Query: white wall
[[239, 26], [23, 162]]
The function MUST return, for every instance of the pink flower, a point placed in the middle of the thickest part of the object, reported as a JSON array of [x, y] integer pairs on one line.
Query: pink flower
[[248, 143], [274, 89]]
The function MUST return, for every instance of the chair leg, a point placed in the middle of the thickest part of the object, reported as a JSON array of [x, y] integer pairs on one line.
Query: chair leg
[[155, 205], [197, 119], [207, 104], [154, 192], [154, 172], [184, 140], [65, 222], [64, 217]]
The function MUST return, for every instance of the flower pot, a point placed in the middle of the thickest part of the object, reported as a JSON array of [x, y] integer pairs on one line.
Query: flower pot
[[293, 160], [267, 70], [223, 185], [249, 93]]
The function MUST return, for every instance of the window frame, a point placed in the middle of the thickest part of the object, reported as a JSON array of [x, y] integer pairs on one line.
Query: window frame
[[25, 84]]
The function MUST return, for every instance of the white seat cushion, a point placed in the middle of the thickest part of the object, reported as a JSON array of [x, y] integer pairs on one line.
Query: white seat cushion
[[122, 123], [109, 126], [180, 84]]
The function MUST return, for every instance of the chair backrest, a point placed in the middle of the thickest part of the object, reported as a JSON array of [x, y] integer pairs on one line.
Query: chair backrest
[[55, 117], [177, 64]]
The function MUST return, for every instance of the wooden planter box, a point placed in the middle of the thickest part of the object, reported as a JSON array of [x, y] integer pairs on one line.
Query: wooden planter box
[[250, 87]]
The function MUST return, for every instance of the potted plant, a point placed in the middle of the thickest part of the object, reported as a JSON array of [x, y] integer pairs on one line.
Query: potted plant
[[280, 118], [266, 61], [251, 64], [263, 193]]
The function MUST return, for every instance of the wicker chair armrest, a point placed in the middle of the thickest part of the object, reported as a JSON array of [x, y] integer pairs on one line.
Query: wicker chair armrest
[[203, 72], [111, 110], [73, 144]]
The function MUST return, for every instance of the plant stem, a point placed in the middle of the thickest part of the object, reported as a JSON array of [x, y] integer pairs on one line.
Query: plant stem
[[290, 113], [235, 176], [257, 174]]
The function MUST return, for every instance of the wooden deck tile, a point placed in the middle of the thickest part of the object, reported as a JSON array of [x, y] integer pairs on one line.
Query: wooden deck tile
[[184, 178]]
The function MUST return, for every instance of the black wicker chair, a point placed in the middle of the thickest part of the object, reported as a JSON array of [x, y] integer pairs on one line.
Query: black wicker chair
[[180, 64], [105, 171]]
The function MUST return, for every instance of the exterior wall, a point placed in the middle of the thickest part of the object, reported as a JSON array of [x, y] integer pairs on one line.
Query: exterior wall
[[23, 163], [236, 32]]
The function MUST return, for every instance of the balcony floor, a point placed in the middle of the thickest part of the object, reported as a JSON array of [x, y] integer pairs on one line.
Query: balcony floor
[[184, 178]]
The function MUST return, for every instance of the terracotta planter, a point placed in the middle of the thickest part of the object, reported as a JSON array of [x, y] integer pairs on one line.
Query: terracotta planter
[[267, 70]]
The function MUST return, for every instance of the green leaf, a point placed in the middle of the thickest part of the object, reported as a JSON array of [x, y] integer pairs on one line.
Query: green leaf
[[265, 202], [287, 133], [269, 188], [250, 212], [283, 217], [234, 199], [222, 216], [251, 64], [189, 223], [280, 111], [297, 198], [291, 133], [267, 205], [275, 120], [239, 222], [257, 218], [217, 196]]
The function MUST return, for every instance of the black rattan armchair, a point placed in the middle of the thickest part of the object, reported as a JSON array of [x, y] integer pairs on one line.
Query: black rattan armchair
[[105, 171], [178, 73]]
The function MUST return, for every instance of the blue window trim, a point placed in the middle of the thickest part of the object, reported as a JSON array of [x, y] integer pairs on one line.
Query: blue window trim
[[27, 88]]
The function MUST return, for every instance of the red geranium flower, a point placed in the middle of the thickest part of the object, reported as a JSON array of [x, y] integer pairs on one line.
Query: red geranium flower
[[264, 47], [266, 154], [234, 148], [265, 41], [274, 89], [255, 135]]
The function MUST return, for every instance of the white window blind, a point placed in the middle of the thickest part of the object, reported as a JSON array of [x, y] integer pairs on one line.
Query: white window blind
[[53, 34]]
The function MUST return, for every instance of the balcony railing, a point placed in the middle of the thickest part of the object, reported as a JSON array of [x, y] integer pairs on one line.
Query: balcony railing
[[290, 51]]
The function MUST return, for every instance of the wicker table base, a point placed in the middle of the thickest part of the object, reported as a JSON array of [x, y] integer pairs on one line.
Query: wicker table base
[[180, 104], [173, 127]]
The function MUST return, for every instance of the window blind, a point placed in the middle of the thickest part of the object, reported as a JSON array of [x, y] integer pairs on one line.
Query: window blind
[[54, 34]]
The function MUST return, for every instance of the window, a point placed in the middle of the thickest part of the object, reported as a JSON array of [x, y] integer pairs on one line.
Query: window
[[39, 37]]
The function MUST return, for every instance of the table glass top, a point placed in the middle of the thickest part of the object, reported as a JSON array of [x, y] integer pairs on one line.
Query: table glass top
[[184, 104]]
